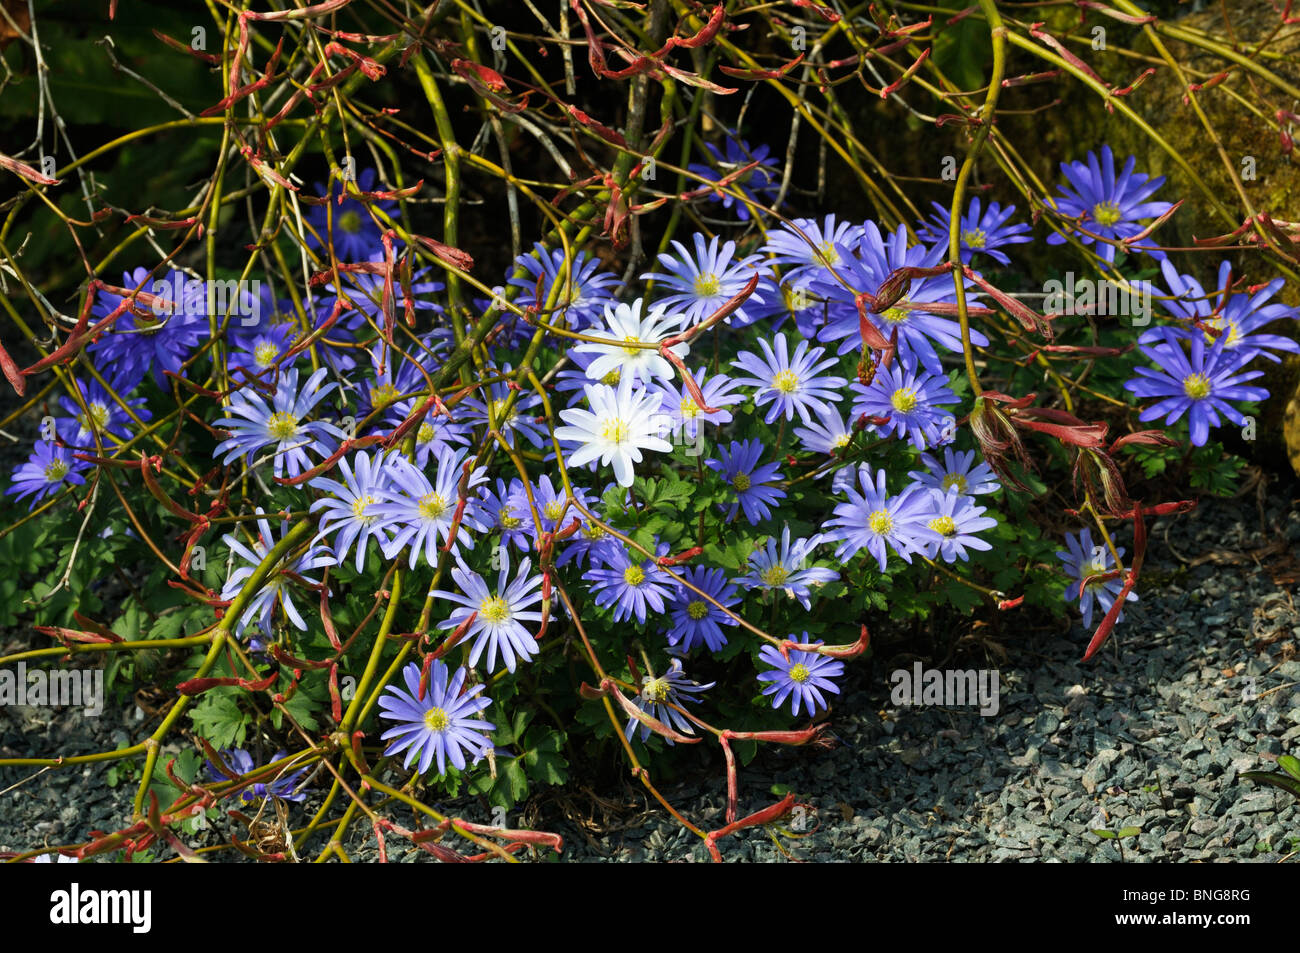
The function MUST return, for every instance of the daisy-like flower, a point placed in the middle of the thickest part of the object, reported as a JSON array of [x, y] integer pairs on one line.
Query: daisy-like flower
[[239, 762], [697, 621], [355, 233], [759, 184], [254, 355], [624, 326], [254, 425], [274, 591], [590, 543], [1198, 384], [787, 568], [49, 469], [552, 506], [501, 614], [958, 471], [1084, 560], [435, 432], [1112, 206], [739, 467], [813, 252], [875, 521], [657, 697], [620, 424], [1235, 317], [419, 512], [103, 414], [864, 268], [683, 410], [518, 419], [828, 435], [704, 283], [951, 528], [160, 340], [788, 383], [582, 298], [354, 509], [784, 299], [802, 678], [981, 230], [441, 725], [910, 402], [505, 511], [631, 585]]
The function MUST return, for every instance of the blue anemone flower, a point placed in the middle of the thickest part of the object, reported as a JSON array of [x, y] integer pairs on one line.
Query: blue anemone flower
[[49, 469], [802, 678], [1106, 204], [658, 695], [738, 465], [441, 725], [697, 621], [982, 230], [790, 383], [1199, 383]]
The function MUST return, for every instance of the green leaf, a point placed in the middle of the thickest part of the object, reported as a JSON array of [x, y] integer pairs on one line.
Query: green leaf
[[218, 718], [1290, 764], [1104, 834], [1276, 780], [1129, 832]]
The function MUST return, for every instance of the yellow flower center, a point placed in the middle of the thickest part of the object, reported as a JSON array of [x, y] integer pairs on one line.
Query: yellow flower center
[[903, 400], [690, 409], [1106, 213], [498, 412], [1232, 333], [776, 575], [383, 395], [431, 506], [99, 414], [508, 521], [785, 381], [634, 575], [706, 286], [828, 253], [264, 354], [494, 609], [944, 525], [282, 425], [359, 507], [954, 479], [614, 430], [698, 609], [741, 482], [799, 673], [425, 433], [631, 339], [350, 222], [881, 522], [554, 509], [1196, 386], [656, 690], [56, 471], [592, 531], [611, 378], [841, 441], [894, 315], [435, 719], [974, 238]]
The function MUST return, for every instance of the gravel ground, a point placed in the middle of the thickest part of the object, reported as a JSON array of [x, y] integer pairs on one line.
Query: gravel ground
[[1153, 734]]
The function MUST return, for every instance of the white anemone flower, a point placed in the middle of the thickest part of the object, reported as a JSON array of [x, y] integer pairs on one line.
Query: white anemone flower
[[625, 327], [620, 424]]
